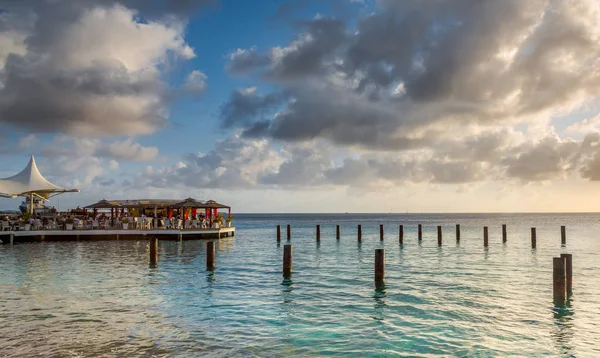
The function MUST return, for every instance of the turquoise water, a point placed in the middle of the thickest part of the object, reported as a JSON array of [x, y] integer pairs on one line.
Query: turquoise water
[[88, 299]]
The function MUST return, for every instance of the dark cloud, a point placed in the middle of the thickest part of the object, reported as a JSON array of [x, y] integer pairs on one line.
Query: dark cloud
[[543, 160], [413, 67], [244, 61], [245, 107]]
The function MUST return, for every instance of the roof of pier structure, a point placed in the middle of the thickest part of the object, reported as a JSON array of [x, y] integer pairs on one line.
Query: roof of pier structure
[[159, 203], [30, 181]]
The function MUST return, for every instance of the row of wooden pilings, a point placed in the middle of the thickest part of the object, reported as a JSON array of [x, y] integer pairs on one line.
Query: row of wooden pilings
[[562, 273], [562, 266], [563, 234]]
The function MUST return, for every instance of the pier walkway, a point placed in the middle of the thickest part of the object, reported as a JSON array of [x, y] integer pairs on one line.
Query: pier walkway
[[8, 237]]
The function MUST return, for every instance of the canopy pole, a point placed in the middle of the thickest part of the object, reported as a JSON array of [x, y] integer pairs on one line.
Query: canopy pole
[[31, 204]]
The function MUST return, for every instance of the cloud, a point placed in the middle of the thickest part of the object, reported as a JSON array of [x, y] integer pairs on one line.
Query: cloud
[[90, 68], [246, 106], [412, 72], [243, 61], [125, 150], [196, 81]]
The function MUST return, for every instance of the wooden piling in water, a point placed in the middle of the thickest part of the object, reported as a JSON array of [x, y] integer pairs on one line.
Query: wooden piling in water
[[381, 232], [278, 233], [439, 232], [559, 281], [563, 235], [485, 236], [379, 266], [337, 232], [153, 251], [533, 238], [289, 232], [401, 234], [457, 232], [568, 258], [287, 261], [420, 232], [503, 233], [210, 255], [359, 232], [318, 232]]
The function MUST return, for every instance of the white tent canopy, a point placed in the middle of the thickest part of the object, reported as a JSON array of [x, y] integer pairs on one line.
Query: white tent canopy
[[30, 182]]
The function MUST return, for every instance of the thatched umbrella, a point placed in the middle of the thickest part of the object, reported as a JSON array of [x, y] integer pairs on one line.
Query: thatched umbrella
[[103, 204], [188, 203]]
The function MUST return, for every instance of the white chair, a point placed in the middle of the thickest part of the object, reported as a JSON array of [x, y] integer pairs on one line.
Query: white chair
[[195, 224], [95, 224], [5, 226], [167, 223]]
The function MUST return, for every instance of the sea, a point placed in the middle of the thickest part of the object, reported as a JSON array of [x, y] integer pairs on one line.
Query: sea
[[104, 299]]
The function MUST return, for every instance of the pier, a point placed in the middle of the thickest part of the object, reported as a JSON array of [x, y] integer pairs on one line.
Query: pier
[[8, 237]]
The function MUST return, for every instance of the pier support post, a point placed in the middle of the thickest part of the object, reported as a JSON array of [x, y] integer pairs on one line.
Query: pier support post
[[439, 232], [210, 255], [359, 233], [533, 238], [568, 261], [12, 239], [153, 251], [485, 236], [401, 234], [379, 267], [287, 261], [337, 232], [420, 232], [559, 281], [318, 233], [563, 235], [457, 233], [278, 233], [289, 232], [381, 232], [503, 233]]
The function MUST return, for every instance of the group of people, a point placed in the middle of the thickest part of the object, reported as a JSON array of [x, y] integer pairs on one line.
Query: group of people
[[65, 220]]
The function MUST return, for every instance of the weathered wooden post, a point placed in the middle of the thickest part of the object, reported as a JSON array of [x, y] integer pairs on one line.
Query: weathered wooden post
[[12, 239], [289, 232], [359, 232], [379, 267], [381, 232], [485, 236], [503, 233], [457, 232], [420, 232], [559, 281], [533, 238], [568, 258], [439, 232], [153, 251], [337, 232], [210, 255], [278, 233], [563, 235], [287, 261], [401, 234], [318, 232]]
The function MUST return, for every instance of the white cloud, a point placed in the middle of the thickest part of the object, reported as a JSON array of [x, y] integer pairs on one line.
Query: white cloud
[[93, 71]]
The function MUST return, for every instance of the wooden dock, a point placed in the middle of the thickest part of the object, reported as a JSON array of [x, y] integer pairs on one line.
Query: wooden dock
[[8, 237]]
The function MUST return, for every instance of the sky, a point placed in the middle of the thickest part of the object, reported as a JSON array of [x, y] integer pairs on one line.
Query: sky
[[307, 105]]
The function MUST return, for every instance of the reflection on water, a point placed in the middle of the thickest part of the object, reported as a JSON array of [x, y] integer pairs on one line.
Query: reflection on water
[[379, 297], [563, 329], [102, 299]]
